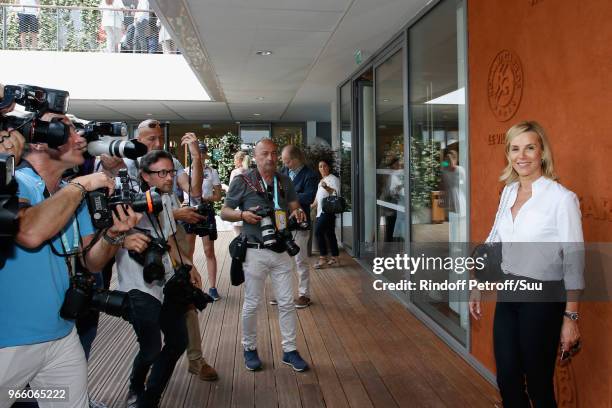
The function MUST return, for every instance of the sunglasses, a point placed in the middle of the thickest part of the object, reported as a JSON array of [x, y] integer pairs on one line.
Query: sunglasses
[[163, 173], [566, 355]]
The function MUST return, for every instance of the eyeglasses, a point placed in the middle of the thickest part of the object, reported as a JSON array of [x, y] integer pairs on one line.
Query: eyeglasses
[[163, 173]]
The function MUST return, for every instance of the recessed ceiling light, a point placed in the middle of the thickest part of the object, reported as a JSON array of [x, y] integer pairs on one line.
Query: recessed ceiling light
[[149, 114], [264, 53], [386, 100], [259, 98], [257, 114]]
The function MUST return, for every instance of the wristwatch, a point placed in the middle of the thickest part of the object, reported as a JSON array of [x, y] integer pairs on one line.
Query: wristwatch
[[571, 315], [117, 241]]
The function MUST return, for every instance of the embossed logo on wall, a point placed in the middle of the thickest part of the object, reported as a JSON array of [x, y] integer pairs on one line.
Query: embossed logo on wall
[[505, 86]]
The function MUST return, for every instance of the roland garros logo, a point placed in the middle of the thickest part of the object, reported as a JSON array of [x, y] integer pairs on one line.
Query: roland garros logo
[[505, 86]]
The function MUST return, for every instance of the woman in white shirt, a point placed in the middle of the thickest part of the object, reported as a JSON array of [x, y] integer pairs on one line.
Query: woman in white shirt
[[326, 223], [534, 208], [112, 21]]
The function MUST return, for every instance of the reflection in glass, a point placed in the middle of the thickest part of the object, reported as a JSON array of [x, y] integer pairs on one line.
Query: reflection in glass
[[390, 193], [438, 153]]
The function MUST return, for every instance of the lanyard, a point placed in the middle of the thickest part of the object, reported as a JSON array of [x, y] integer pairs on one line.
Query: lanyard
[[72, 251], [276, 206]]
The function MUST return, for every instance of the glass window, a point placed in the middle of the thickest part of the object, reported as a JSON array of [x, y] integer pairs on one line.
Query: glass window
[[345, 163], [390, 193], [438, 154]]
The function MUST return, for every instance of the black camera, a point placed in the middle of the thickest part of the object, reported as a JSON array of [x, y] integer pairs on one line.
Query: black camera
[[109, 138], [36, 99], [180, 292], [206, 227], [273, 238], [101, 205], [295, 225], [9, 206], [54, 133], [151, 259], [81, 297]]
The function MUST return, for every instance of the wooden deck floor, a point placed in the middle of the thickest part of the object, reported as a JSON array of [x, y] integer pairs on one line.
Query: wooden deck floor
[[365, 350]]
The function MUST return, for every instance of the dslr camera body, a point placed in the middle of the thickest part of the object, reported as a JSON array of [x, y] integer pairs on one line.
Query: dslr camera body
[[37, 100], [101, 205], [151, 259], [81, 297], [110, 138], [273, 238], [180, 292], [206, 227]]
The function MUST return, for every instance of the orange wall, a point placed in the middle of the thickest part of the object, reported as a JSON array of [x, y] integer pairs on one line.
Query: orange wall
[[560, 74]]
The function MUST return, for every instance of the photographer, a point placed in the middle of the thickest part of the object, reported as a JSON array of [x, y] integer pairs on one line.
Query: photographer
[[149, 313], [55, 233], [266, 189], [150, 133], [211, 192]]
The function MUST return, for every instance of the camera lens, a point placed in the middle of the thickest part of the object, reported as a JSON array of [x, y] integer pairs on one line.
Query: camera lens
[[268, 232], [112, 302]]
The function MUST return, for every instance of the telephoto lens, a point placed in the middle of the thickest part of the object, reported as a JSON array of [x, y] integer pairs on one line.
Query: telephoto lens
[[131, 149], [111, 302]]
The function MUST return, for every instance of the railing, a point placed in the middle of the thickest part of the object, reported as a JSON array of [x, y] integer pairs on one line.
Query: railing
[[77, 28]]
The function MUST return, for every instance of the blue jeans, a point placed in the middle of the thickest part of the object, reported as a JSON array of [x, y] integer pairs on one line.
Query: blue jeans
[[150, 319]]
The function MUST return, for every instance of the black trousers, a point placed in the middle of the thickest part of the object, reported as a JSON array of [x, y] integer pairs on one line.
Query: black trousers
[[326, 235], [526, 341], [150, 319]]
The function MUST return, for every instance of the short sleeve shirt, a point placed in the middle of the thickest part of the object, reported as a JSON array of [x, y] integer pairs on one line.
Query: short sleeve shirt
[[242, 196], [33, 282], [210, 179]]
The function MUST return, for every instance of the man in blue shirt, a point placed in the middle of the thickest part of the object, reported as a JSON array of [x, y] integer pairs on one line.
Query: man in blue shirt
[[305, 181], [37, 346]]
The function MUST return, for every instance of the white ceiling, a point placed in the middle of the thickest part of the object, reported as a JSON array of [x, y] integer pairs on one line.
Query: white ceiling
[[313, 42]]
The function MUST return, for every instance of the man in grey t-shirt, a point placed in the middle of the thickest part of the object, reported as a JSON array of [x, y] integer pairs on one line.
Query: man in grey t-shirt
[[264, 187]]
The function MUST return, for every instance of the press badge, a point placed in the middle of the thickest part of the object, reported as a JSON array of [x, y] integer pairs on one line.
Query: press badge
[[281, 219]]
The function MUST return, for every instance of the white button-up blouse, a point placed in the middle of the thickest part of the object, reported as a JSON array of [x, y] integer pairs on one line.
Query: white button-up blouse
[[545, 240]]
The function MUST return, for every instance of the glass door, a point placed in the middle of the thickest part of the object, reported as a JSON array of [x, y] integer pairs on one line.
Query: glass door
[[364, 95], [438, 157]]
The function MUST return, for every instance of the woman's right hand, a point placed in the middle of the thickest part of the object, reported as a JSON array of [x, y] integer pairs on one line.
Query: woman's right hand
[[474, 304], [136, 242]]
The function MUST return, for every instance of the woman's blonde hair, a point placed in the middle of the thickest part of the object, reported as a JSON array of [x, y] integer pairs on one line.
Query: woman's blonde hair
[[246, 162], [509, 175]]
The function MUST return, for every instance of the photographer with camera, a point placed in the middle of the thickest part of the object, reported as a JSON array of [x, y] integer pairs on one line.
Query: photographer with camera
[[145, 271], [211, 192], [54, 241], [150, 133], [264, 195]]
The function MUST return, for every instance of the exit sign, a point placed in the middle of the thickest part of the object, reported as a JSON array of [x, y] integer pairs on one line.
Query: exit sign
[[358, 57]]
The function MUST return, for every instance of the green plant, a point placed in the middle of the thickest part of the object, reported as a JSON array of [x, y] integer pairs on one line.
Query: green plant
[[70, 39], [425, 171], [222, 151], [315, 153]]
